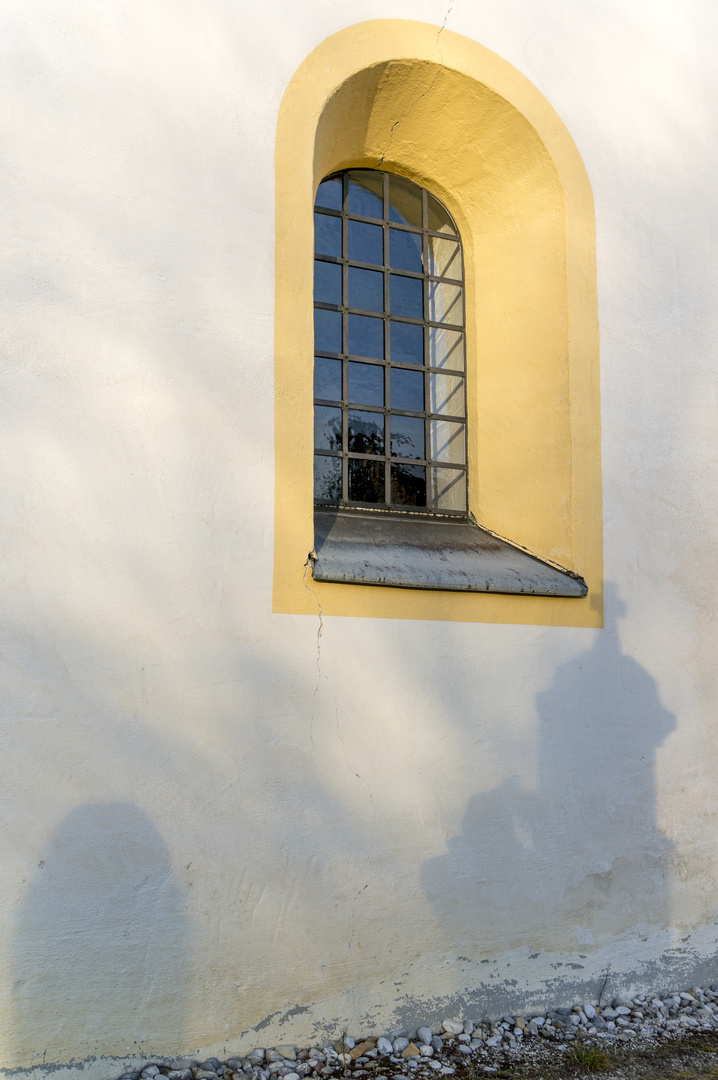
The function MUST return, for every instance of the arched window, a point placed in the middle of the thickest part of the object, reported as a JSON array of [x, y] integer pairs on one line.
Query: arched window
[[389, 367], [480, 531]]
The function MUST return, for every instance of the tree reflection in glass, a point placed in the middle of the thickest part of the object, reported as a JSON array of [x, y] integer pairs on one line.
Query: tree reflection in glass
[[366, 481], [366, 432], [408, 485]]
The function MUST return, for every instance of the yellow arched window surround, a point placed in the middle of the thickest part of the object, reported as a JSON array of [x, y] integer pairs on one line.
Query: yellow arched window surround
[[455, 118]]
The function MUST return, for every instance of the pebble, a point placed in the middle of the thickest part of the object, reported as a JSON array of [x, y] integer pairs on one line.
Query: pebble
[[420, 1053], [410, 1051]]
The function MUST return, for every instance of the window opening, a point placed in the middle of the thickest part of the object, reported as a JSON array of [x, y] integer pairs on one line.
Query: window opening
[[389, 366]]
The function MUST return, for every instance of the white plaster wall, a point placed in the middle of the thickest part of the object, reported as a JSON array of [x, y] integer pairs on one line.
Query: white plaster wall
[[219, 831]]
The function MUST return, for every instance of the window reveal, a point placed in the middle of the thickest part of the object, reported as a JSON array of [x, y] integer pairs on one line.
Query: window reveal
[[389, 368]]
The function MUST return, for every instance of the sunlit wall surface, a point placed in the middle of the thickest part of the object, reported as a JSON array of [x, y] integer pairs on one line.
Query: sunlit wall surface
[[224, 827]]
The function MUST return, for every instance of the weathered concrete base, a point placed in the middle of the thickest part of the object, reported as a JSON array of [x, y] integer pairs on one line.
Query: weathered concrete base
[[516, 982]]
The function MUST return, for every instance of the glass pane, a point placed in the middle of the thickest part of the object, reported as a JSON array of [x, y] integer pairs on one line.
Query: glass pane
[[407, 390], [327, 479], [366, 384], [366, 194], [366, 481], [446, 394], [447, 442], [407, 436], [439, 218], [446, 348], [327, 428], [366, 289], [328, 235], [448, 489], [366, 336], [444, 257], [407, 343], [366, 243], [445, 303], [407, 296], [408, 485], [327, 378], [327, 330], [330, 195], [405, 251], [366, 432], [327, 282], [404, 201]]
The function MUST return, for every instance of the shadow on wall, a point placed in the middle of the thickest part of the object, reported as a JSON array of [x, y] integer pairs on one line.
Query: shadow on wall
[[102, 940], [578, 859]]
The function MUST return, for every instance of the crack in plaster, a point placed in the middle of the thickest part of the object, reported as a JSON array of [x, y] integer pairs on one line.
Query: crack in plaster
[[307, 567], [372, 833], [428, 89], [603, 987]]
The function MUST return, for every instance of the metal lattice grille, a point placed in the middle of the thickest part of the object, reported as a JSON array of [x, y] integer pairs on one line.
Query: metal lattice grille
[[389, 368]]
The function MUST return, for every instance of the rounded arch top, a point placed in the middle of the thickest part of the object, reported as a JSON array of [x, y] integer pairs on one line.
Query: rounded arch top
[[391, 66]]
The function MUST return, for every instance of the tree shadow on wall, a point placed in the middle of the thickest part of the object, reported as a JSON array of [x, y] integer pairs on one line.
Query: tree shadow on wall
[[101, 937], [577, 859]]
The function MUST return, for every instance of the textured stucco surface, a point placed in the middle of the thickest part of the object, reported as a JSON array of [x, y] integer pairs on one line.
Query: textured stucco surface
[[218, 828]]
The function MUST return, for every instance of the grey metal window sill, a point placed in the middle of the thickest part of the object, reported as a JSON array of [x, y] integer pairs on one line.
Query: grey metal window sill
[[416, 551]]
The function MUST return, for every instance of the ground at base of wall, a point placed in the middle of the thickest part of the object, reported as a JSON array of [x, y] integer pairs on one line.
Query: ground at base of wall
[[649, 1037], [694, 1057]]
